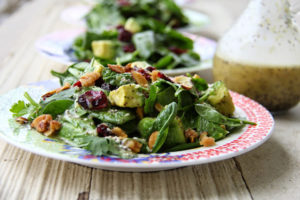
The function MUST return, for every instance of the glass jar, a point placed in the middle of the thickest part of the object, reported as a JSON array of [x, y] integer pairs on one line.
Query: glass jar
[[260, 55]]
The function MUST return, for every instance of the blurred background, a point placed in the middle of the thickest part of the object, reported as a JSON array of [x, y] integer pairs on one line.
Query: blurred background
[[222, 13]]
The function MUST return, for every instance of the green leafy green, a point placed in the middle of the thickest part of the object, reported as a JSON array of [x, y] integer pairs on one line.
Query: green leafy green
[[161, 124], [116, 79], [114, 115]]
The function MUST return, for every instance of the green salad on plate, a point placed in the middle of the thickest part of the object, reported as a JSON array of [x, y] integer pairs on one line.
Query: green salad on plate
[[123, 111]]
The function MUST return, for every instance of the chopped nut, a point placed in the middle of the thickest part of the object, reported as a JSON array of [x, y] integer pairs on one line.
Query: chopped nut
[[184, 81], [119, 132], [158, 107], [53, 127], [89, 79], [191, 135], [139, 78], [140, 112], [55, 91], [128, 67], [203, 134], [206, 141], [22, 120], [134, 145], [116, 68], [154, 75], [152, 139], [196, 76], [65, 87], [44, 124]]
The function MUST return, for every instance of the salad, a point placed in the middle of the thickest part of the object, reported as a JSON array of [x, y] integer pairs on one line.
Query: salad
[[124, 111], [125, 31], [109, 13], [159, 45]]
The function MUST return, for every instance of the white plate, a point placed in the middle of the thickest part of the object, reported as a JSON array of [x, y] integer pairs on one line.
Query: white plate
[[235, 144]]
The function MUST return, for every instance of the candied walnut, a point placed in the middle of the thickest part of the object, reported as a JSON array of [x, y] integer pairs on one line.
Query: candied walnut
[[44, 124], [139, 78], [191, 135], [128, 67], [152, 139], [116, 68], [119, 132], [184, 81], [65, 87], [55, 91], [53, 127], [89, 79], [140, 112], [158, 107], [21, 120], [154, 75], [206, 141], [134, 145]]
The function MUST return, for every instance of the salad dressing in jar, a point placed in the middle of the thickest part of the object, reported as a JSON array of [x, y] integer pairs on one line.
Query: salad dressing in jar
[[260, 56]]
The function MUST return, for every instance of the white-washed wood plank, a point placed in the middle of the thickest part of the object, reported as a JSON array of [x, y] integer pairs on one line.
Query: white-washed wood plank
[[272, 171], [221, 180]]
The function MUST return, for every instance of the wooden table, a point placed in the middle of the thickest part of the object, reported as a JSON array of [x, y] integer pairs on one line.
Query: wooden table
[[269, 172]]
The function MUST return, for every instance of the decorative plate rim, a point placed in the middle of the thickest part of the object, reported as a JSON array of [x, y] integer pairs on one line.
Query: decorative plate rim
[[249, 139]]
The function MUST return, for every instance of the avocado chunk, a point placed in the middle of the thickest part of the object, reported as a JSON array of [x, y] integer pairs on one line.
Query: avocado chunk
[[145, 127], [103, 49], [128, 96], [132, 25], [175, 135], [220, 98]]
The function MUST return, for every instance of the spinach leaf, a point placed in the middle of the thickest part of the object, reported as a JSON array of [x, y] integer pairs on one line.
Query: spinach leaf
[[200, 83], [190, 59], [213, 129], [189, 119], [150, 101], [72, 74], [114, 116], [174, 38], [166, 96], [63, 95], [161, 124], [144, 43], [57, 107], [211, 114], [116, 79]]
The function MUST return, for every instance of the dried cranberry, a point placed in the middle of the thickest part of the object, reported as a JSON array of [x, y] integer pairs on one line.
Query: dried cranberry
[[124, 3], [128, 48], [120, 26], [143, 72], [124, 35], [163, 76], [78, 84], [150, 68], [99, 82], [177, 50], [93, 100], [103, 130]]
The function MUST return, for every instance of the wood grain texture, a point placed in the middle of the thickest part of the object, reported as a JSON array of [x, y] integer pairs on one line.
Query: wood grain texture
[[221, 180], [270, 171]]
